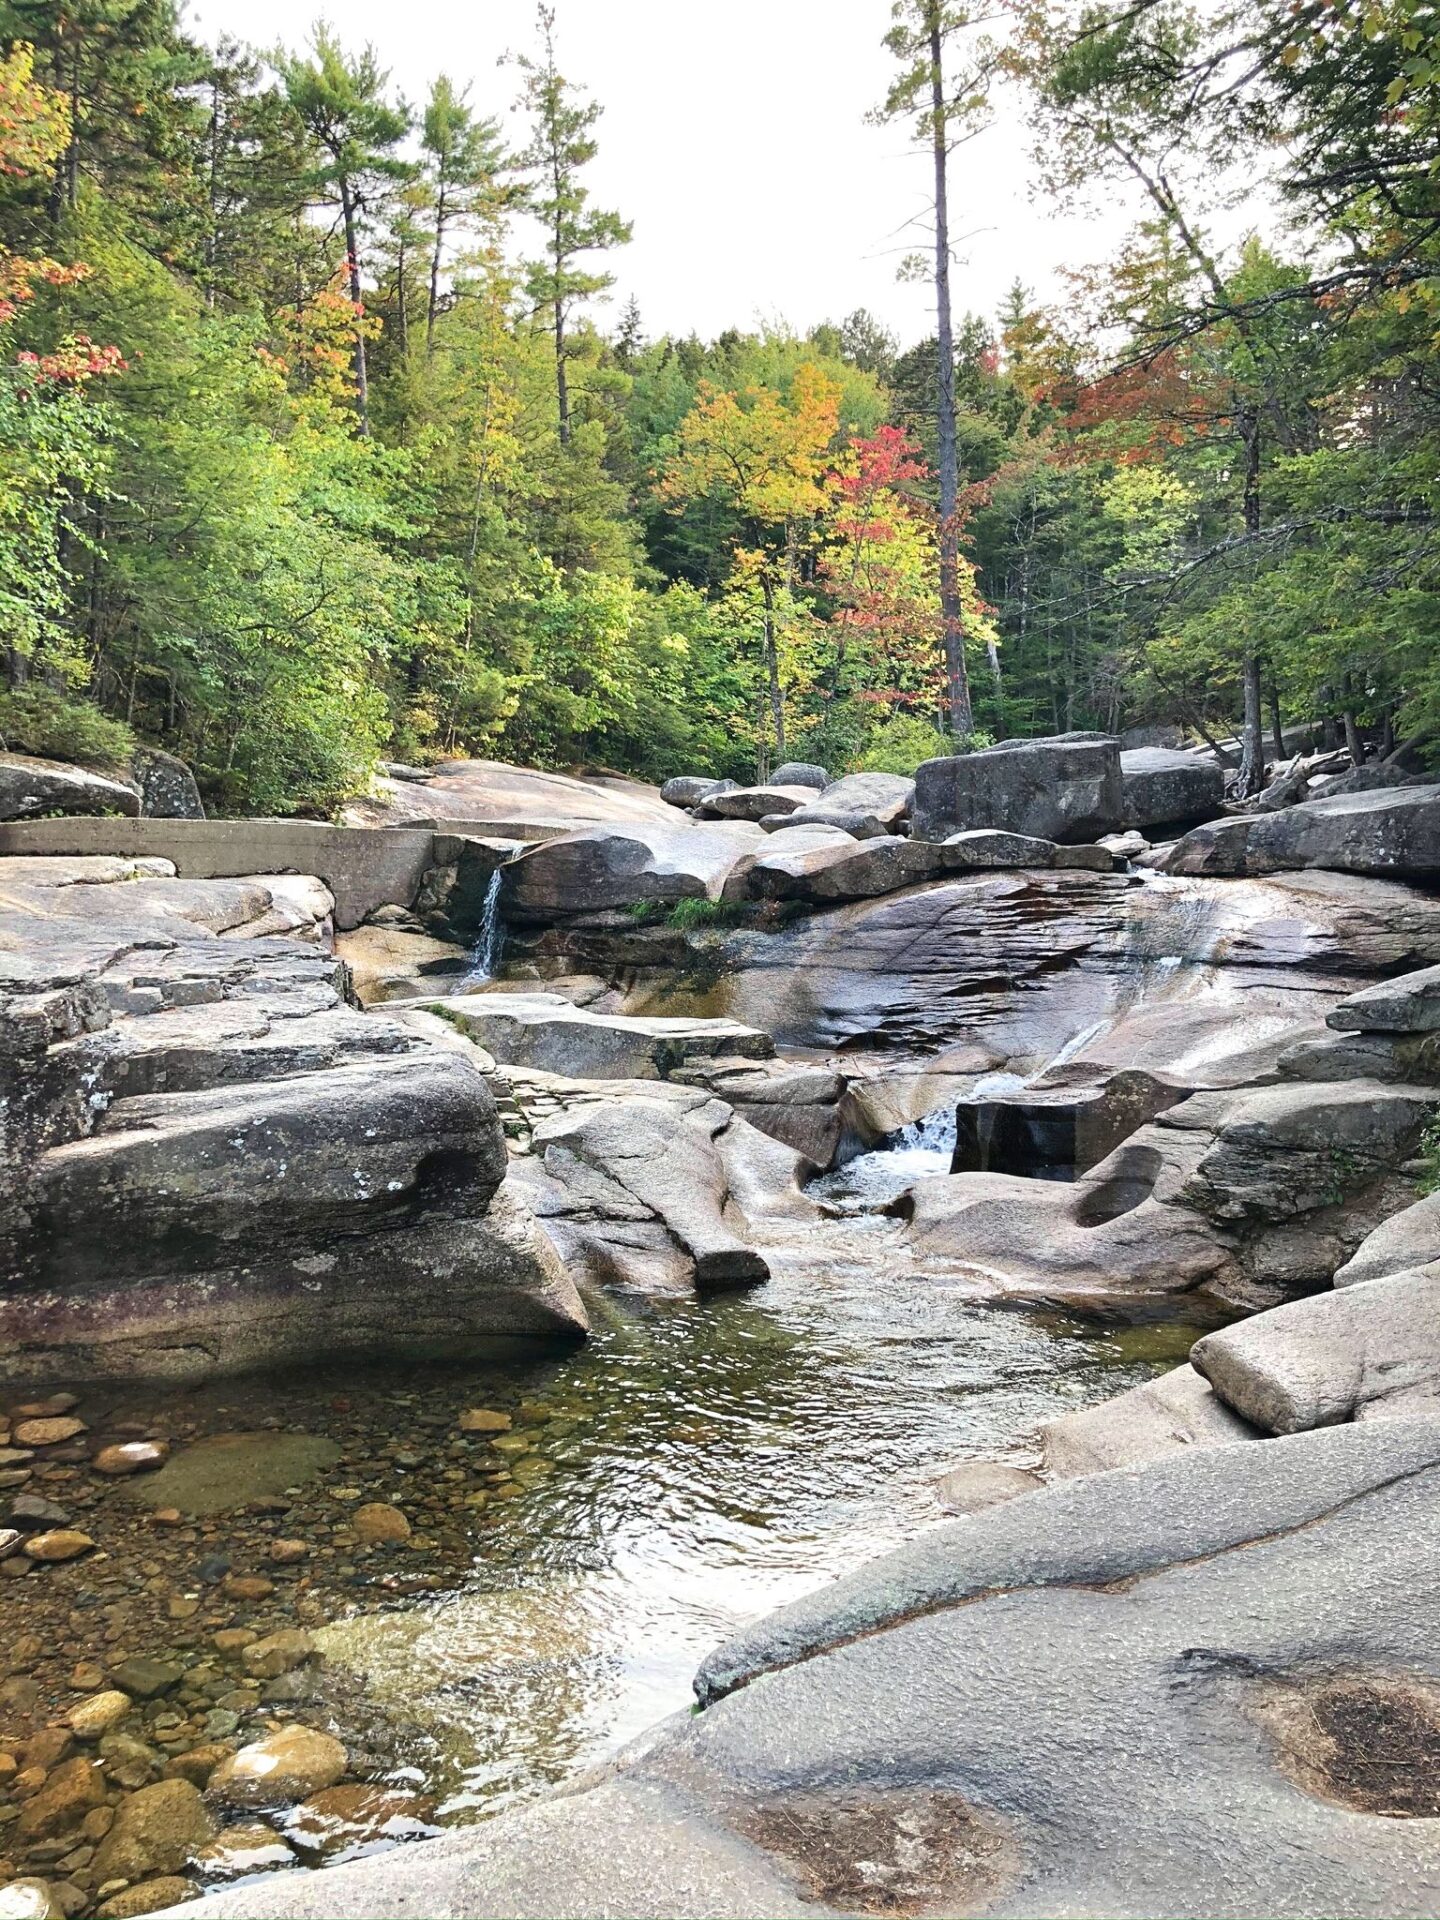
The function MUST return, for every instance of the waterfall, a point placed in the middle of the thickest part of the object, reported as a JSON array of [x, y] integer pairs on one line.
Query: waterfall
[[489, 940]]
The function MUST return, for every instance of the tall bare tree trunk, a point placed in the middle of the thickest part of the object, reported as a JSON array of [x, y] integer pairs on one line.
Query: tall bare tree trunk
[[362, 384], [952, 612], [772, 672], [1252, 757]]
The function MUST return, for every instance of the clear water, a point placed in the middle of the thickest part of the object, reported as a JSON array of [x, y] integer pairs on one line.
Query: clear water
[[707, 1461], [489, 942]]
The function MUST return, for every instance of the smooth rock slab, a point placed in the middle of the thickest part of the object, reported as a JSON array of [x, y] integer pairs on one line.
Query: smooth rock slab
[[601, 869], [29, 786], [1394, 832], [1367, 1351], [551, 1034], [1410, 1004], [1407, 1240], [1178, 1410]]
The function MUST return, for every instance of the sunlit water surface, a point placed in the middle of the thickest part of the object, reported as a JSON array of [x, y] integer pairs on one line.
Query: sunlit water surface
[[713, 1459]]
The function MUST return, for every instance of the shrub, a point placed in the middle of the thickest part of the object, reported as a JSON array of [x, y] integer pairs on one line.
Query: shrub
[[56, 726]]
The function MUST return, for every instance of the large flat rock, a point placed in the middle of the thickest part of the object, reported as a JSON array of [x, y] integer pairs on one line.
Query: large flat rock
[[29, 786], [1171, 1414], [1392, 831], [523, 802], [1175, 1689], [545, 1031], [1408, 1239]]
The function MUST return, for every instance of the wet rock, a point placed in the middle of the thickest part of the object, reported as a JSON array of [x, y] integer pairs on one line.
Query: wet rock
[[130, 1456], [129, 1761], [197, 1764], [1178, 1410], [288, 1553], [145, 1678], [377, 1524], [155, 1832], [29, 1900], [93, 1718], [151, 1896], [1068, 788], [226, 1470], [339, 1818], [10, 1539], [48, 1432], [49, 1408], [241, 1850], [484, 1420], [47, 1748], [285, 1766], [63, 1543], [71, 1790], [278, 1652], [977, 1484]]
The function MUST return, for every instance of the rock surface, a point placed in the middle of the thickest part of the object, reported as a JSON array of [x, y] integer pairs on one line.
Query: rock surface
[[1393, 832], [1163, 788], [211, 1162], [545, 1031], [29, 787], [1361, 1353], [603, 868], [1178, 1410], [1067, 788]]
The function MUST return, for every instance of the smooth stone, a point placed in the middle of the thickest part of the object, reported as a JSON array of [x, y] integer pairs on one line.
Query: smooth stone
[[93, 1718], [237, 1851], [277, 1653], [338, 1818], [155, 1832], [63, 1544], [377, 1524], [977, 1484], [29, 1900], [289, 1765], [62, 1803], [150, 1896], [145, 1678], [48, 1433], [484, 1420], [131, 1456]]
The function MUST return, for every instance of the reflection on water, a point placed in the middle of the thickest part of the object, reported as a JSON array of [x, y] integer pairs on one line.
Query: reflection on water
[[708, 1461]]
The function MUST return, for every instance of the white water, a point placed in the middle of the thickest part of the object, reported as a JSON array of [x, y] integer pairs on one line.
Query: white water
[[489, 941]]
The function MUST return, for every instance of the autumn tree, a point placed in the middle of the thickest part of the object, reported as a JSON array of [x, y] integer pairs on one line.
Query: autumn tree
[[763, 456]]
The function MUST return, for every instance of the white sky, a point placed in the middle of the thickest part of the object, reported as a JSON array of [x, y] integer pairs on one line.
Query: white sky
[[734, 138]]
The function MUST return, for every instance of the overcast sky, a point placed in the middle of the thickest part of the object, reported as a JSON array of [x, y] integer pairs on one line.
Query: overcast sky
[[734, 138]]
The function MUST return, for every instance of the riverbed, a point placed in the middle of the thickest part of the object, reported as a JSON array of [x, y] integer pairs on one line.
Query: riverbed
[[697, 1463]]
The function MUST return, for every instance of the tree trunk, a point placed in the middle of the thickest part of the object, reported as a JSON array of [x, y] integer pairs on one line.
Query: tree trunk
[[1252, 757], [1354, 746], [362, 384], [997, 681], [772, 671], [433, 305], [952, 613], [1277, 731]]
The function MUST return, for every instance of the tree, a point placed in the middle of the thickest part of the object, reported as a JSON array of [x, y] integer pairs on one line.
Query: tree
[[342, 106], [763, 458], [462, 164], [944, 112], [561, 145]]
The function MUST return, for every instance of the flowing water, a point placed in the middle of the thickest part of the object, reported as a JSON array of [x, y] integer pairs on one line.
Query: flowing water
[[489, 941], [706, 1461]]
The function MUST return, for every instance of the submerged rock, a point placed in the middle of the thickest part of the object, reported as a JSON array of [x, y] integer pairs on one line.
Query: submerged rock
[[1178, 1410]]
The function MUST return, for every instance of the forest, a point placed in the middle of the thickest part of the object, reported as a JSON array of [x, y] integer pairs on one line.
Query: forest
[[320, 442]]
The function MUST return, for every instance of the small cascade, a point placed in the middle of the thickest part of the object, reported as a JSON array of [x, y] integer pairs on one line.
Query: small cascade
[[489, 940]]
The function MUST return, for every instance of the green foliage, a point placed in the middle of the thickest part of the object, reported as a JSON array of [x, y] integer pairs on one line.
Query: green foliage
[[35, 719], [900, 744], [686, 915]]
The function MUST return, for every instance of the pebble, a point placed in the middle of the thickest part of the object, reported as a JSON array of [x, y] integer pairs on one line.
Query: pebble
[[155, 1831], [63, 1544], [29, 1900], [131, 1456], [145, 1678], [46, 1409], [9, 1541], [277, 1653], [35, 1510], [284, 1553], [376, 1524], [290, 1764], [248, 1586], [86, 1677], [48, 1432], [485, 1420]]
